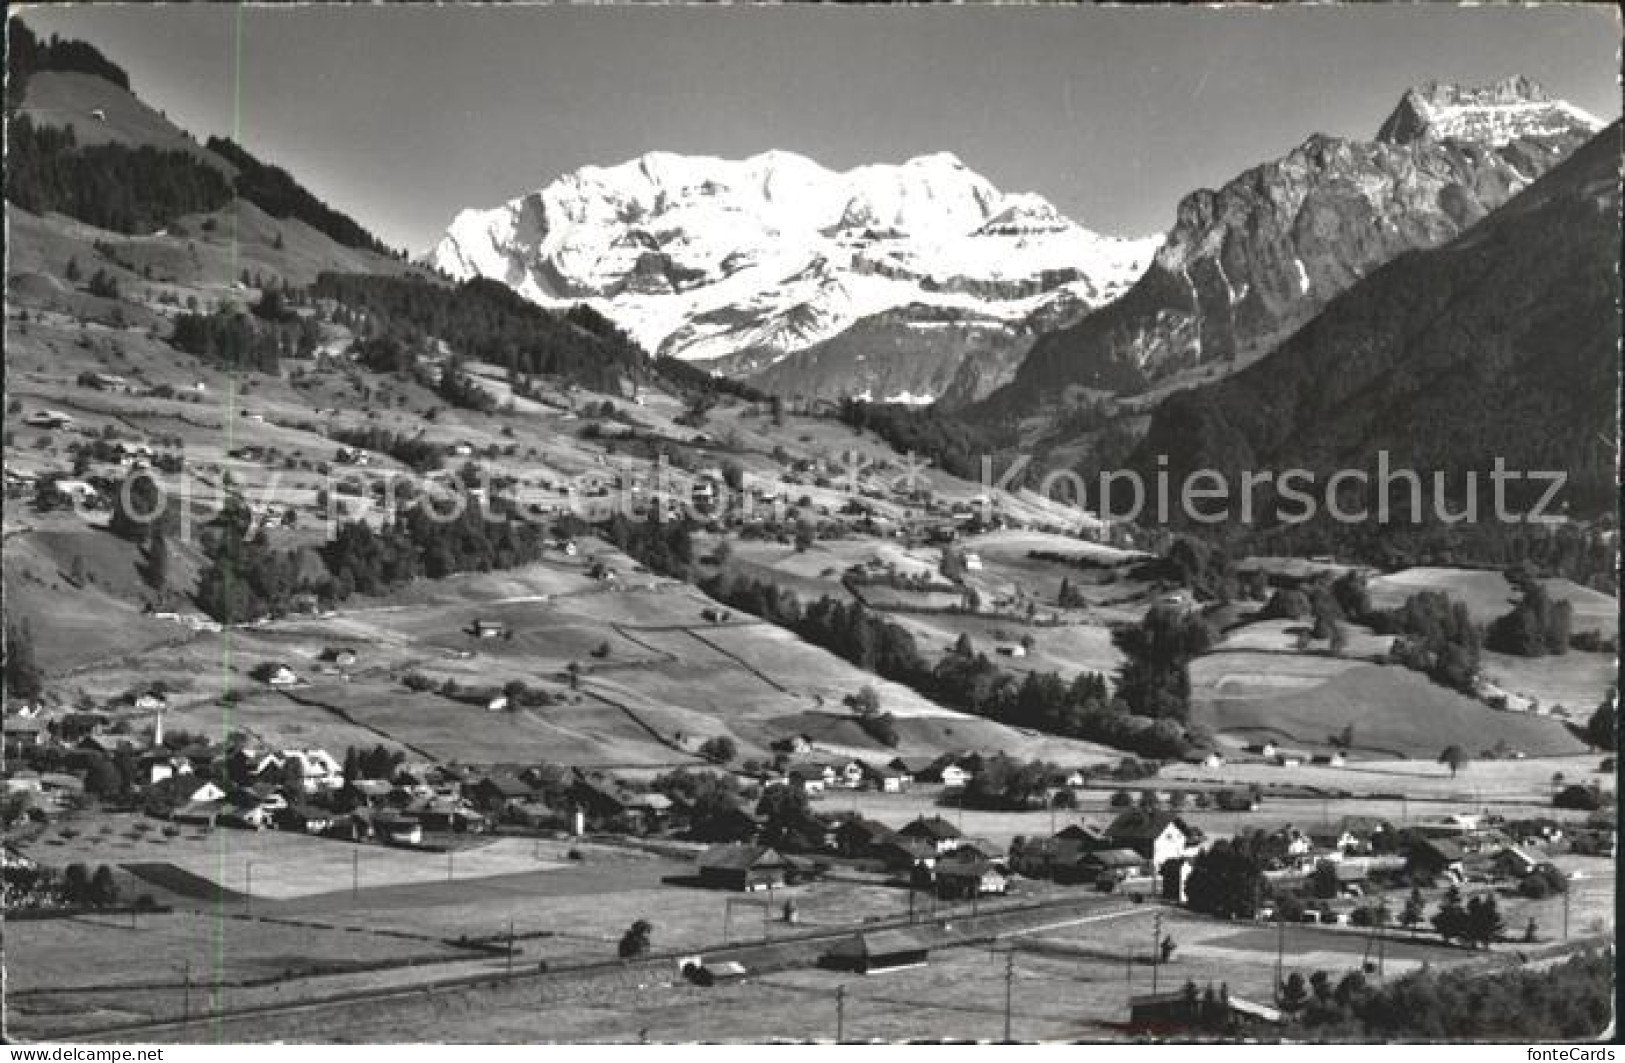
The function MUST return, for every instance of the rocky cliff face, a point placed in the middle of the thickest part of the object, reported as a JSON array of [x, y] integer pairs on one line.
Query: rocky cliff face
[[1247, 265], [741, 264], [1502, 343]]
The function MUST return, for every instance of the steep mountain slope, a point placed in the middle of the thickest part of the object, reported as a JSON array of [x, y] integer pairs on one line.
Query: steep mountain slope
[[740, 263], [1245, 266], [916, 354], [1502, 343]]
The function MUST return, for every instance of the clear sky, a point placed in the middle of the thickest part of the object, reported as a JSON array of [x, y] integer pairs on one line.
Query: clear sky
[[402, 115]]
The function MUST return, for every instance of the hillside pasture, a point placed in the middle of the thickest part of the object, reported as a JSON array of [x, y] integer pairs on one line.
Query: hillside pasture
[[1395, 712], [1575, 681]]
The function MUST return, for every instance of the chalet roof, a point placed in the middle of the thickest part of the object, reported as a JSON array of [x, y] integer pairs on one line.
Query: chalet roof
[[807, 769], [1140, 825], [740, 857], [1442, 847], [871, 827], [1116, 858], [873, 943], [506, 785], [935, 828]]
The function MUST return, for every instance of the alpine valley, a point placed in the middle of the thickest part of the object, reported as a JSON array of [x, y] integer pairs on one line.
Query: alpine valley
[[599, 624]]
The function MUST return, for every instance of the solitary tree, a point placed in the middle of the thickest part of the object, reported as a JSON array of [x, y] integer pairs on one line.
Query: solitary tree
[[24, 679], [635, 942], [103, 887], [719, 750], [1454, 758], [866, 702], [1415, 909], [1451, 918]]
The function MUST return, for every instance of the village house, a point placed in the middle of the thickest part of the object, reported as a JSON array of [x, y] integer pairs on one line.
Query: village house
[[810, 776], [888, 780], [314, 770], [913, 767], [595, 801], [941, 835], [306, 818], [858, 836], [488, 629], [370, 793], [1267, 750], [339, 656], [494, 793], [1156, 836], [850, 775], [1513, 861], [398, 830], [150, 701], [967, 871], [277, 675], [1435, 858], [1111, 867], [736, 866], [23, 734]]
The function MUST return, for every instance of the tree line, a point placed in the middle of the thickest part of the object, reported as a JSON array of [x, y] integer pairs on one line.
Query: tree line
[[967, 680], [275, 191], [27, 55], [487, 321]]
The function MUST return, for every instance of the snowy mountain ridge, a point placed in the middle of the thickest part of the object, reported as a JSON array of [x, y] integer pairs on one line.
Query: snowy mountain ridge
[[753, 259]]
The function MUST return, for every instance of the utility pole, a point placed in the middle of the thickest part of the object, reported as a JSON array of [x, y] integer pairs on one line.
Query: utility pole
[[355, 873], [1280, 953], [840, 1014], [186, 991], [1009, 989], [510, 950], [1156, 951], [249, 889]]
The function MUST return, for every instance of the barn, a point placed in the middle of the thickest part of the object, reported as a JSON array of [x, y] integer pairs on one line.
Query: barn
[[742, 867], [875, 952]]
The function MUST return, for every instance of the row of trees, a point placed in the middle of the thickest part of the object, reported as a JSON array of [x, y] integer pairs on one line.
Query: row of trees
[[239, 341], [414, 451], [968, 680], [275, 191], [246, 578], [1570, 1001]]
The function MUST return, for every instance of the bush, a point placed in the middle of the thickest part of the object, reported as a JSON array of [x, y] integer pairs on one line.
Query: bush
[[719, 750]]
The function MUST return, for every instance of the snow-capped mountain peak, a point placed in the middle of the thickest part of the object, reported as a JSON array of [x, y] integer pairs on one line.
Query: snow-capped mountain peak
[[706, 258]]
